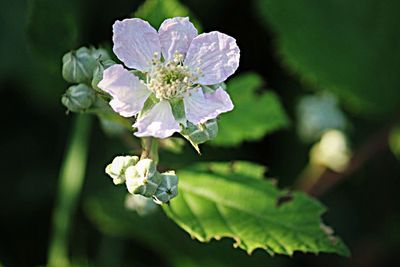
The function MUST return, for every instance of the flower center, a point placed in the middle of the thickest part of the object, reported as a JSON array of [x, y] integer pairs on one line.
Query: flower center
[[169, 80]]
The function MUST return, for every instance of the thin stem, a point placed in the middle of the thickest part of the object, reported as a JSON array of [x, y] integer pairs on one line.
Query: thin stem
[[150, 148], [70, 185], [146, 147]]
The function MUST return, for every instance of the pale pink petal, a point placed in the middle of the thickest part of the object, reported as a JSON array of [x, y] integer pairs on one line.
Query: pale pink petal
[[176, 34], [215, 54], [158, 122], [201, 107], [135, 42], [127, 91]]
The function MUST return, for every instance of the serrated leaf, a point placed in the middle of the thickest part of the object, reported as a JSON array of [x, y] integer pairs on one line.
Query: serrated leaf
[[106, 210], [347, 47], [221, 200], [156, 11], [255, 114]]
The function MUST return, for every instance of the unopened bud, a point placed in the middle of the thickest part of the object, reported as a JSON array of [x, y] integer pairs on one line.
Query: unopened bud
[[99, 54], [143, 178], [118, 167], [78, 66], [78, 98], [168, 187]]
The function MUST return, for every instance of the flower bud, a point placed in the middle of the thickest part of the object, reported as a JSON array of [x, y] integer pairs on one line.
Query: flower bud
[[118, 167], [99, 53], [98, 72], [143, 178], [331, 151], [142, 205], [168, 187], [78, 66], [78, 98], [198, 134]]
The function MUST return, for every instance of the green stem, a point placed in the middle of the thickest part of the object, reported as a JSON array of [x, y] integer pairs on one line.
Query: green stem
[[70, 184], [150, 148]]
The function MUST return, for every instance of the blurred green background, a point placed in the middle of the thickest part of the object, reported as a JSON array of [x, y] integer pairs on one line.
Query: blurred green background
[[294, 48]]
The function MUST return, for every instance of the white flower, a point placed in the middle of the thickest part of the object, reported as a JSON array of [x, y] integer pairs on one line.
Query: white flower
[[176, 61]]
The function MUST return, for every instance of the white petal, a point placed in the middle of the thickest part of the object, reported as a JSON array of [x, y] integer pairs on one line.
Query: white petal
[[128, 92], [135, 43], [176, 34], [215, 54], [200, 107], [158, 122]]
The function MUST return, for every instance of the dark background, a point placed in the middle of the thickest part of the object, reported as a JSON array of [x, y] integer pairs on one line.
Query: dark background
[[363, 208]]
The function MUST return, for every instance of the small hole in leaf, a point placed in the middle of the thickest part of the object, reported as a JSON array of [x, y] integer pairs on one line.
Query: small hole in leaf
[[284, 199]]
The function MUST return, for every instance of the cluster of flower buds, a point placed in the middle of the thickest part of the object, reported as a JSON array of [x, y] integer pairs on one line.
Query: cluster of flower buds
[[84, 68], [142, 178]]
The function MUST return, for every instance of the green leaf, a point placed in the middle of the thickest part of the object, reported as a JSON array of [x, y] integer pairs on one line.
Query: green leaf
[[156, 11], [255, 114], [230, 200], [157, 233], [347, 47]]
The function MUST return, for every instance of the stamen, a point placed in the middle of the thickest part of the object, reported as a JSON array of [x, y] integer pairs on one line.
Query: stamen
[[168, 80]]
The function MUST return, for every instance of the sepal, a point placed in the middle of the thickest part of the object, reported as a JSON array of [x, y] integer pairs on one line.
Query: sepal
[[143, 178], [198, 134], [168, 187]]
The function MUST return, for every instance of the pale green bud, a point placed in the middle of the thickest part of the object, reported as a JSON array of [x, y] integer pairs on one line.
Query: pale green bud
[[118, 166], [142, 205], [98, 72], [99, 53], [168, 188], [78, 98], [78, 66], [143, 178]]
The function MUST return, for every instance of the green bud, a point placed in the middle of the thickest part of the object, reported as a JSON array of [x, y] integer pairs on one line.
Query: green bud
[[143, 178], [78, 66], [118, 166], [99, 53], [78, 98], [98, 72], [142, 205], [168, 188], [198, 134]]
